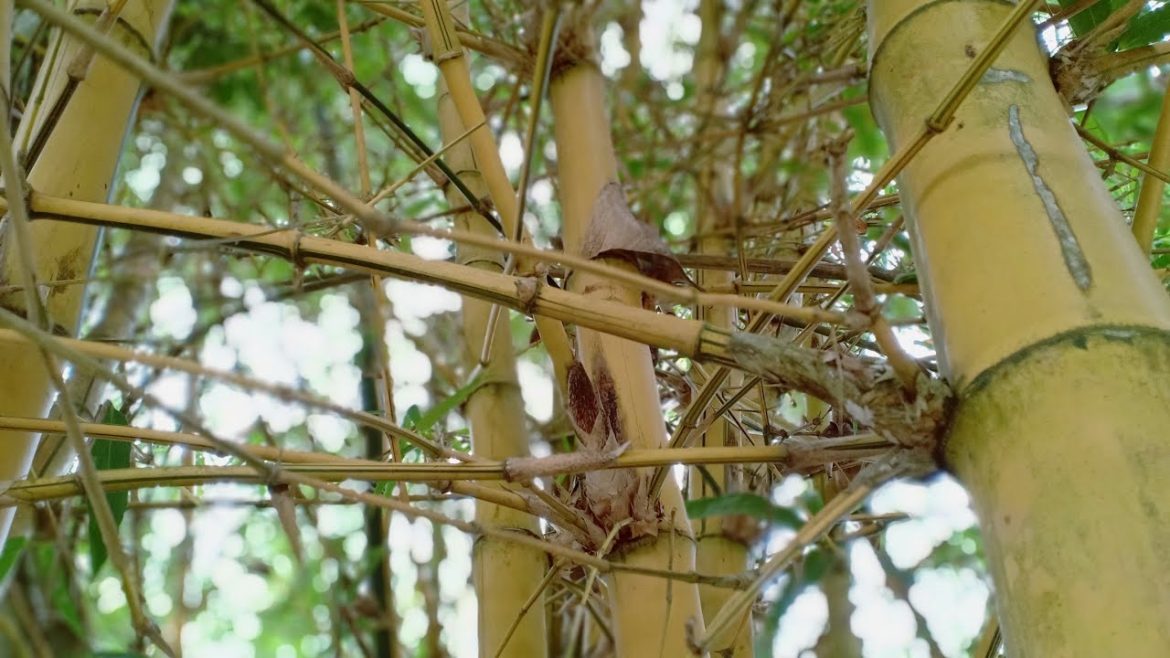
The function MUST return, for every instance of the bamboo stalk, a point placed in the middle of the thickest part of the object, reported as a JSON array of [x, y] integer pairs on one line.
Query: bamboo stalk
[[447, 52], [1150, 203], [503, 573], [719, 548], [1063, 409], [77, 156], [27, 252], [643, 626], [688, 337], [302, 476]]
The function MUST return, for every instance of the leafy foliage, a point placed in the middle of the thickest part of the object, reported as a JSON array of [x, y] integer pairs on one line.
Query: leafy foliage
[[108, 454], [747, 504]]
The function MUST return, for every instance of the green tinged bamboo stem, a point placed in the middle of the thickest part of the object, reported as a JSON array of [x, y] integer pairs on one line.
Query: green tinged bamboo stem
[[1150, 199], [505, 575], [721, 543], [1061, 413]]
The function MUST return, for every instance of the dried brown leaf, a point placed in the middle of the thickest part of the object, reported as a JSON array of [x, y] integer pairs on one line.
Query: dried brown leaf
[[614, 232], [583, 405]]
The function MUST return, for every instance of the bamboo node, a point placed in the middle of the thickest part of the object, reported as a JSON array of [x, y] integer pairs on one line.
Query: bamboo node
[[575, 43], [527, 292]]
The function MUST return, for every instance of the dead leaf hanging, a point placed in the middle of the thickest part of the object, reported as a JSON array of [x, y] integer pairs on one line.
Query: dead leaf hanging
[[614, 232]]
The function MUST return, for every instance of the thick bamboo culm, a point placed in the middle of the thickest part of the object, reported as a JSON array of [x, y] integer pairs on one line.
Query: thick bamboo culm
[[643, 626], [76, 152], [1059, 434]]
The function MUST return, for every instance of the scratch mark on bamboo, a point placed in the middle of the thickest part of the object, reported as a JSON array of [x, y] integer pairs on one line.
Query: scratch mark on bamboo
[[1070, 247], [997, 76]]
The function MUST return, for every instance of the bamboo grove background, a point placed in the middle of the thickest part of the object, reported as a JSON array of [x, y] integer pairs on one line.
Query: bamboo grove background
[[244, 291]]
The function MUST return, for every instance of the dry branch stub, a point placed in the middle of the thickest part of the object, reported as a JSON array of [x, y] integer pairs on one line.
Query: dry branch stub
[[872, 395]]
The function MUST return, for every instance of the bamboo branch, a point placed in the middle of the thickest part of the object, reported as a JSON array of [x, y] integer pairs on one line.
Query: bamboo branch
[[687, 337], [473, 40], [897, 464], [864, 299], [798, 451], [938, 121], [69, 348], [1149, 204]]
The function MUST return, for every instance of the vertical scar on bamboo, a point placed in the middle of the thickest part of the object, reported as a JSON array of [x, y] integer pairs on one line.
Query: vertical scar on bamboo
[[998, 76], [1070, 248]]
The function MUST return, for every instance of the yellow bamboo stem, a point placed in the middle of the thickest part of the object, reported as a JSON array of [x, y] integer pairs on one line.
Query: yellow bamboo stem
[[504, 574], [644, 626], [1150, 202], [720, 545], [484, 469], [1059, 429], [304, 477], [687, 337], [447, 51], [290, 242], [78, 158]]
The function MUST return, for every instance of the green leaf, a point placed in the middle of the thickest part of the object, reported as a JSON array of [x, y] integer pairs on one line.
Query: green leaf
[[117, 654], [410, 418], [901, 307], [868, 141], [747, 504], [816, 562], [13, 548], [277, 270], [108, 454], [812, 501], [1088, 19], [1146, 29], [425, 421], [45, 563]]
